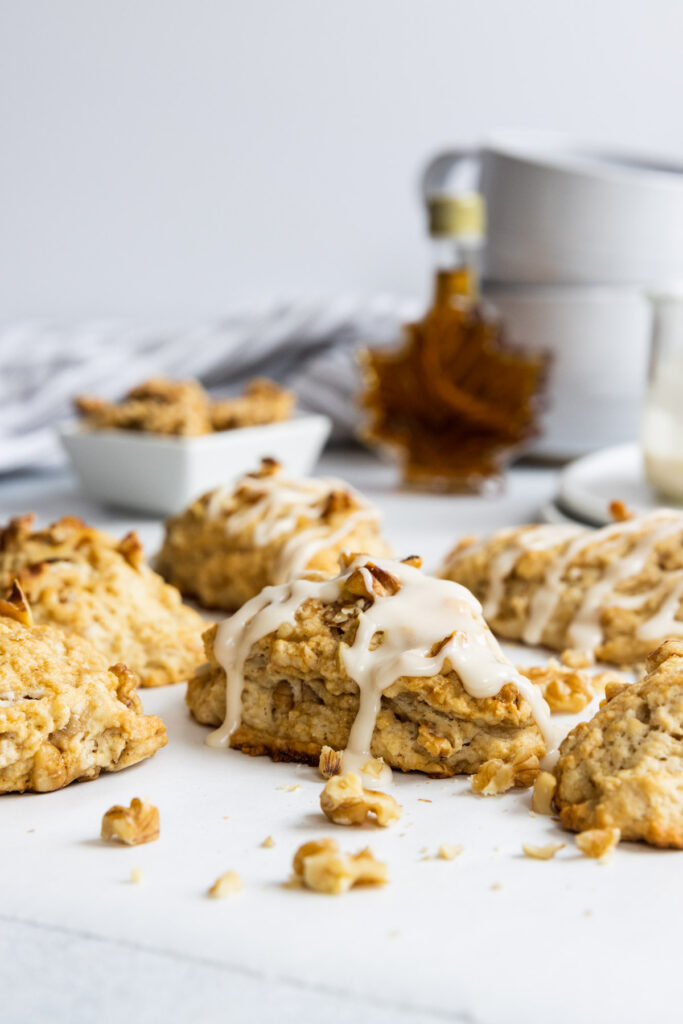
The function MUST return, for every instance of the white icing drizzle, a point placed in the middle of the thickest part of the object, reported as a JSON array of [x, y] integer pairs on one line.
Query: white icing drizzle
[[536, 538], [278, 509], [422, 614], [585, 630]]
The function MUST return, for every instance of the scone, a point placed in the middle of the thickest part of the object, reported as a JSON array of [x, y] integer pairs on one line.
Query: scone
[[158, 406], [616, 591], [86, 582], [381, 661], [64, 715], [228, 545], [624, 768]]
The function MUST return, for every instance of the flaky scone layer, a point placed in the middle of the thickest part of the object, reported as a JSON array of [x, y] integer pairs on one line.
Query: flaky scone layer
[[619, 591], [624, 768], [85, 582], [65, 715], [214, 559], [297, 698]]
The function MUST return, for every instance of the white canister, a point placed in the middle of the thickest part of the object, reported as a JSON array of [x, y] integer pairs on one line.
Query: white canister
[[598, 341]]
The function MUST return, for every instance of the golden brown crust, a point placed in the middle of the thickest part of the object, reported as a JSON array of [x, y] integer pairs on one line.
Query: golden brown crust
[[297, 699], [64, 715], [624, 768], [183, 408], [658, 574], [222, 568], [263, 402], [85, 582]]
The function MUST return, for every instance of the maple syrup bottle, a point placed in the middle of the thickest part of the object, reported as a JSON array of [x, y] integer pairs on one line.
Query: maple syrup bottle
[[454, 400]]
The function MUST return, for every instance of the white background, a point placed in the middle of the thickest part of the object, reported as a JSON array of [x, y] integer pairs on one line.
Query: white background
[[182, 158]]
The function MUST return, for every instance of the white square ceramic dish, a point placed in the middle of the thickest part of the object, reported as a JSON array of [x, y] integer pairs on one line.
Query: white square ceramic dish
[[162, 475]]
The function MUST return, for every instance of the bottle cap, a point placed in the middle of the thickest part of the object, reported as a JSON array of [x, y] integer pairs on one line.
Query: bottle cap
[[460, 216]]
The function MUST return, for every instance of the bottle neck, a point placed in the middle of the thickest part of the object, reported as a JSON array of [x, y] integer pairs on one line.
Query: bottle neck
[[455, 266]]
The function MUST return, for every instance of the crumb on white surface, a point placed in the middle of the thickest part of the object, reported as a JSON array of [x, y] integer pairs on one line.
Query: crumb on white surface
[[449, 851], [227, 884], [137, 875], [268, 843], [546, 852]]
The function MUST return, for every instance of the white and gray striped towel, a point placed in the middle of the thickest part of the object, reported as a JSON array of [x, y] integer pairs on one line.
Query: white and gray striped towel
[[307, 345]]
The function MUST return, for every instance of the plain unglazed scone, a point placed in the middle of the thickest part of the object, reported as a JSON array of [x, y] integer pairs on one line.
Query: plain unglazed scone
[[624, 768], [86, 582], [228, 545], [298, 696], [617, 591], [64, 714]]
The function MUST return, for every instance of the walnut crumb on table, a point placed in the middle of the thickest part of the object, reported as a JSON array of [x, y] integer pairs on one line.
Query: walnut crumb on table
[[598, 843], [496, 776], [132, 825], [137, 876], [345, 802], [226, 885], [268, 843], [320, 865], [542, 796], [546, 852], [449, 851]]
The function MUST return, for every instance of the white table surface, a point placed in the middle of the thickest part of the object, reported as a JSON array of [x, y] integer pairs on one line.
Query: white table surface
[[490, 938]]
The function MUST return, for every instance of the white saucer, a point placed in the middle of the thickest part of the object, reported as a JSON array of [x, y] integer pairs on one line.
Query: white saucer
[[589, 484]]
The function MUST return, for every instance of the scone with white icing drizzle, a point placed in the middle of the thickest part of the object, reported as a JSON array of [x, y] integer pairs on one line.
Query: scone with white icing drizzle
[[624, 768], [381, 661], [64, 714], [616, 591], [229, 544], [86, 582]]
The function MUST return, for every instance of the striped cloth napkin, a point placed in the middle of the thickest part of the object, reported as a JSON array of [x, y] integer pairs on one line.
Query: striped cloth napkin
[[308, 346]]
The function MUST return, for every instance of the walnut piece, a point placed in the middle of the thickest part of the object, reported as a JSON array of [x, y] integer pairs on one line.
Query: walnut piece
[[372, 581], [137, 875], [598, 842], [542, 796], [330, 762], [620, 511], [496, 776], [567, 690], [132, 825], [449, 851], [323, 868], [268, 843], [546, 852], [437, 746], [226, 885], [345, 802], [573, 658]]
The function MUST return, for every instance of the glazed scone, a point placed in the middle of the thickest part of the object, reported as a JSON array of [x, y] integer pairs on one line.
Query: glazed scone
[[64, 715], [228, 545], [616, 591], [381, 661], [158, 406], [624, 768], [86, 582]]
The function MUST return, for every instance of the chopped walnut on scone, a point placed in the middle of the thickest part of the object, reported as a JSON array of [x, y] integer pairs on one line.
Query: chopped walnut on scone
[[623, 769], [83, 581], [568, 689], [64, 714], [231, 543]]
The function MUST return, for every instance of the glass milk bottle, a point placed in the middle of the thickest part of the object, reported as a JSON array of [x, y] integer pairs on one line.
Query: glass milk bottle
[[662, 430]]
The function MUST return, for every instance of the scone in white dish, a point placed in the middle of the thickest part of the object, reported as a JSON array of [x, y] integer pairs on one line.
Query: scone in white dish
[[160, 474]]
